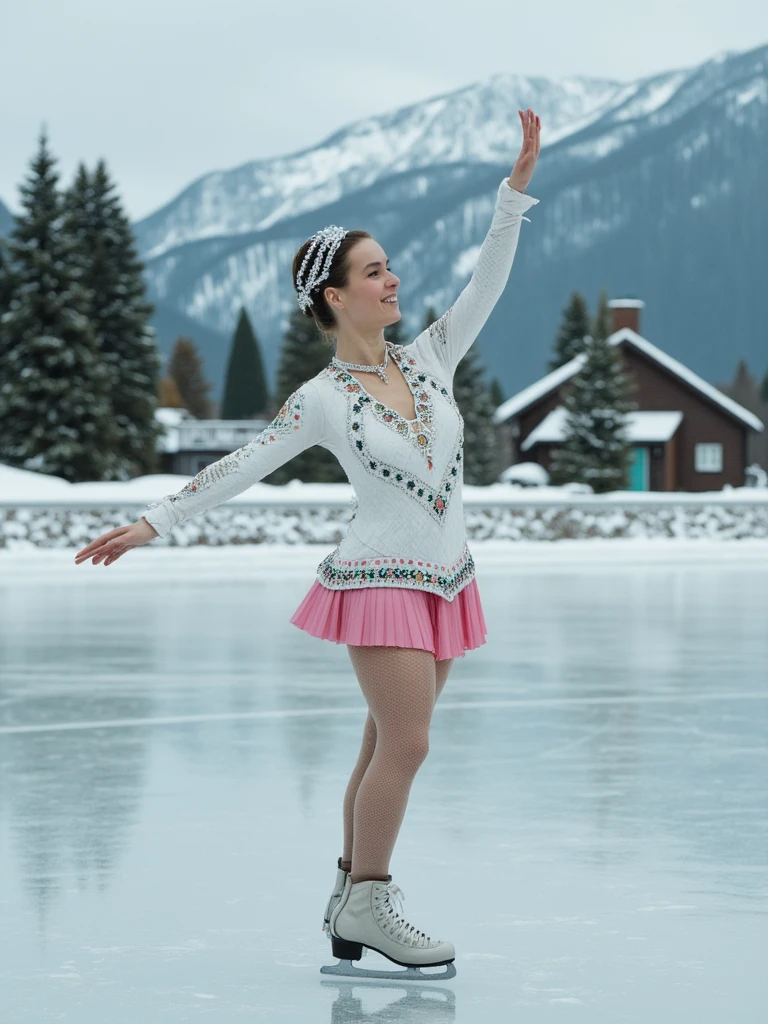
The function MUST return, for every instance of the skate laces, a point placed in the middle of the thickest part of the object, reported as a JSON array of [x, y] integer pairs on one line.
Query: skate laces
[[390, 900]]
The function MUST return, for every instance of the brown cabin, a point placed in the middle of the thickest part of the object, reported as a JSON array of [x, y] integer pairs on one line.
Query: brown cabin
[[686, 435]]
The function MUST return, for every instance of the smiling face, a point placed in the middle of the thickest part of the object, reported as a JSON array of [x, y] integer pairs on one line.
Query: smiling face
[[370, 281]]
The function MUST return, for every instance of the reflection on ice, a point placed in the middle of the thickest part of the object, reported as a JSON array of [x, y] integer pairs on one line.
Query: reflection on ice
[[589, 829]]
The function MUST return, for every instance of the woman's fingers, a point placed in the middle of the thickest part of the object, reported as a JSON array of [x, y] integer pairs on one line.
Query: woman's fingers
[[111, 552], [103, 545], [116, 554], [89, 549], [531, 127]]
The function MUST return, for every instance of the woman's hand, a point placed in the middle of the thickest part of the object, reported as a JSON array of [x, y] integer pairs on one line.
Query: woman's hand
[[529, 153], [110, 546]]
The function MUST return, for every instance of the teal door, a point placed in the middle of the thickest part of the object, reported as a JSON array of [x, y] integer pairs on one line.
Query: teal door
[[638, 470]]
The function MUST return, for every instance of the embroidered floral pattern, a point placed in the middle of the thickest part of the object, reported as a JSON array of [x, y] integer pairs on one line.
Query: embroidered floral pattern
[[418, 431], [287, 420], [435, 499], [438, 331], [445, 580]]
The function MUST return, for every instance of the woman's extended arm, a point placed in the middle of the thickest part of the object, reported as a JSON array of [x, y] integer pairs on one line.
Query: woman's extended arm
[[299, 425]]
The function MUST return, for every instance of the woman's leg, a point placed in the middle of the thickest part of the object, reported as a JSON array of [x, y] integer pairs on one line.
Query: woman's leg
[[363, 760], [442, 668], [398, 684]]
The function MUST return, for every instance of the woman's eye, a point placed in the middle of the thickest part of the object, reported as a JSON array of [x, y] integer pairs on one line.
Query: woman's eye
[[376, 271]]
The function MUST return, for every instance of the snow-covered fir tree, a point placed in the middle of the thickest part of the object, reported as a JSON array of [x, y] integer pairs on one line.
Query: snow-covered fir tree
[[110, 269], [574, 328], [245, 388], [596, 449], [303, 354], [55, 410]]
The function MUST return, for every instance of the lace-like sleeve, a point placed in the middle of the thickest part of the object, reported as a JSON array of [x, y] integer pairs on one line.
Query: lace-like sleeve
[[450, 337], [298, 426]]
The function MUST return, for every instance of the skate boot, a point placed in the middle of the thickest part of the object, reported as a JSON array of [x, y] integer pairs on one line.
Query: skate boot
[[368, 916], [341, 877]]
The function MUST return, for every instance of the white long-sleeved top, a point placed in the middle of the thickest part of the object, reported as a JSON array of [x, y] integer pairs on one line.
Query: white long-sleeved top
[[408, 527]]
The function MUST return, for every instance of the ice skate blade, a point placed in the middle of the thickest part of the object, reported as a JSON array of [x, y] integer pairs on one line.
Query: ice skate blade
[[345, 969]]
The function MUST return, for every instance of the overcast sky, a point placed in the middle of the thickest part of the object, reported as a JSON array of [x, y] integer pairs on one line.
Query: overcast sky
[[167, 90]]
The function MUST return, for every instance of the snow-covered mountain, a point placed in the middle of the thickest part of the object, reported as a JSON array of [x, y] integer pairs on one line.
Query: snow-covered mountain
[[652, 188], [477, 124]]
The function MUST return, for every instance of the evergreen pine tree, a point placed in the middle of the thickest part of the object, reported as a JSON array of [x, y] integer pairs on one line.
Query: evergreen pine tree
[[497, 393], [596, 450], [7, 286], [245, 389], [574, 328], [430, 315], [396, 333], [603, 323], [745, 390], [304, 354], [168, 396], [475, 405], [474, 402], [55, 413], [109, 267], [186, 368], [764, 388]]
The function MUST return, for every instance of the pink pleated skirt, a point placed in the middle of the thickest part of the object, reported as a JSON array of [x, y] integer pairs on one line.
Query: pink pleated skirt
[[395, 617]]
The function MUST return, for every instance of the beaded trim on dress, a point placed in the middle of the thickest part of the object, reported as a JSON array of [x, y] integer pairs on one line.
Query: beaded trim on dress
[[413, 573], [431, 496]]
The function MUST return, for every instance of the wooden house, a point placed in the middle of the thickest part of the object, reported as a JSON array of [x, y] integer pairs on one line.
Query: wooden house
[[686, 435]]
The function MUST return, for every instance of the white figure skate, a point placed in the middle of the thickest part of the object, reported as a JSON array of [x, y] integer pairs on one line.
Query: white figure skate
[[338, 889], [368, 917]]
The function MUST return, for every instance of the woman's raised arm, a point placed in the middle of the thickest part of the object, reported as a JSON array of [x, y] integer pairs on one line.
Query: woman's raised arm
[[451, 336]]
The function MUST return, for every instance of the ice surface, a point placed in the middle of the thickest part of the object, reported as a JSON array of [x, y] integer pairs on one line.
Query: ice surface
[[590, 828]]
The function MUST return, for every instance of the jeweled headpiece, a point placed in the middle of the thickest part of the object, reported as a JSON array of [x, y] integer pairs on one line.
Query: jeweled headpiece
[[326, 242]]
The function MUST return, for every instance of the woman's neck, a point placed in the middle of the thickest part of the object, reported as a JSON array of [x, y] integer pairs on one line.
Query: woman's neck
[[366, 351]]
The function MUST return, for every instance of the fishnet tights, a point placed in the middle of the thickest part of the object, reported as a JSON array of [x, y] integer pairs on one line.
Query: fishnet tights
[[401, 686]]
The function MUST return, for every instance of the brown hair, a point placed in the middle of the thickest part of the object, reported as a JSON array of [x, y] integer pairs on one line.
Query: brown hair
[[338, 276]]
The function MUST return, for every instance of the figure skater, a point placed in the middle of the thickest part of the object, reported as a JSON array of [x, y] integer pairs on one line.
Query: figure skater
[[399, 589]]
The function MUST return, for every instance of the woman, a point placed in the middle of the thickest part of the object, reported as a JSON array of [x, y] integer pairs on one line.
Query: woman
[[399, 590]]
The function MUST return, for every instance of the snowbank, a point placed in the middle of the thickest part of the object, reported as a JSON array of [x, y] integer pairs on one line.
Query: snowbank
[[42, 511]]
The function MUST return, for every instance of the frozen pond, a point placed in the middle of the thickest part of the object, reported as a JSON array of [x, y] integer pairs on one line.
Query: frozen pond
[[590, 828]]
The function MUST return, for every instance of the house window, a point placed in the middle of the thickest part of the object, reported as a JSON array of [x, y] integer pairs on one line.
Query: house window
[[708, 458]]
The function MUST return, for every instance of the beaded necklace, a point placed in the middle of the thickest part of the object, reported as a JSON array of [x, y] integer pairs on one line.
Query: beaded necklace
[[379, 368]]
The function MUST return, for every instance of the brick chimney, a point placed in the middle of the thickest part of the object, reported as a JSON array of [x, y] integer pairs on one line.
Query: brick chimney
[[626, 313]]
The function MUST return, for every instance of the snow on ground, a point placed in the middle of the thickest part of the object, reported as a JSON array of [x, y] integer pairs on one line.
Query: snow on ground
[[19, 486]]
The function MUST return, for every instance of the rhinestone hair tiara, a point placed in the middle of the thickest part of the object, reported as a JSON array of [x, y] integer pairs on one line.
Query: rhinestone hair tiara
[[326, 242]]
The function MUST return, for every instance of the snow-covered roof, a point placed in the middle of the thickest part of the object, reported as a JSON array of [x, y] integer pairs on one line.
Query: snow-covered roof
[[169, 416], [641, 427], [523, 399]]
